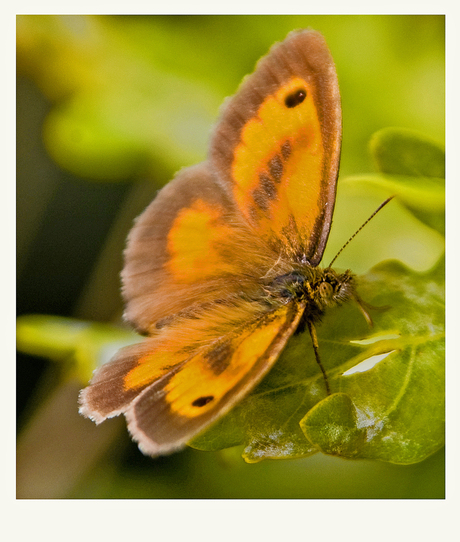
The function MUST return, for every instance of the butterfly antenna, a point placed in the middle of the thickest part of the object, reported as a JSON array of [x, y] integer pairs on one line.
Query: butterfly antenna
[[379, 208]]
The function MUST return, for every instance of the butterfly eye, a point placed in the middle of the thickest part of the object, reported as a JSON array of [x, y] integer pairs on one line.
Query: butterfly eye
[[202, 401], [325, 290], [295, 98]]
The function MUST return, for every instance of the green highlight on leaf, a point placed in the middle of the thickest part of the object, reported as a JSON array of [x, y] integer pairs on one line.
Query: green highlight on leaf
[[424, 197], [394, 233], [78, 345], [424, 194], [332, 425], [412, 166], [399, 151]]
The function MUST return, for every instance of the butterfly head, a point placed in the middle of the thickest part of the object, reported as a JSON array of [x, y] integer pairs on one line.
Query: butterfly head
[[317, 288]]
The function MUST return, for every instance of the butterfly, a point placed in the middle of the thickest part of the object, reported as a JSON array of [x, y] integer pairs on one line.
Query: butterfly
[[221, 269]]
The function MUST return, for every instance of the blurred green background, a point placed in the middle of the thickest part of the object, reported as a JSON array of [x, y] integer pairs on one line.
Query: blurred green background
[[108, 109]]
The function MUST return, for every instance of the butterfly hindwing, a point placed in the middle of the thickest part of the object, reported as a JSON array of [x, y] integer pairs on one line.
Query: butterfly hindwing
[[189, 248]]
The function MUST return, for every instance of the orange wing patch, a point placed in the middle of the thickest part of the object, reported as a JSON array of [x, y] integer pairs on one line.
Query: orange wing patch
[[151, 367], [195, 243], [277, 164], [210, 375], [189, 248], [189, 336]]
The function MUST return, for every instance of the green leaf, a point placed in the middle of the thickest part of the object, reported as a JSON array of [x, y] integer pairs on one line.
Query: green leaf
[[414, 170], [333, 426], [391, 411], [424, 197], [394, 233], [399, 151]]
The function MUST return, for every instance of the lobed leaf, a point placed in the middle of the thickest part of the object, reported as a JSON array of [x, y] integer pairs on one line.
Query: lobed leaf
[[392, 411]]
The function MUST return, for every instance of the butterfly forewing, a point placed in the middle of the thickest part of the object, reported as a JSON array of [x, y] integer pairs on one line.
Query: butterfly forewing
[[116, 384], [183, 403], [277, 146]]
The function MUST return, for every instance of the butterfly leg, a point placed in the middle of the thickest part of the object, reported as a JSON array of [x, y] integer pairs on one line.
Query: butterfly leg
[[314, 340]]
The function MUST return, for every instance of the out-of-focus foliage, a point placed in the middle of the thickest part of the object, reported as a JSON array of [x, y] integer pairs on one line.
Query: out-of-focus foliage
[[135, 97], [138, 95], [79, 346]]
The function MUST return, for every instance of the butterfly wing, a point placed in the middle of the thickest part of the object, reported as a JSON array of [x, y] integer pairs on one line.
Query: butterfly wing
[[169, 393], [276, 147], [193, 281], [200, 257], [264, 198], [189, 249]]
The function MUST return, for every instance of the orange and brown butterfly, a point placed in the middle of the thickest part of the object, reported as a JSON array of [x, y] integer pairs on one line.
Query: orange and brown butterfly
[[221, 268]]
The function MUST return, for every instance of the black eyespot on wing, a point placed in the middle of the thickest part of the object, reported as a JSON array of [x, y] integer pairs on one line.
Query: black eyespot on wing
[[295, 98], [202, 401]]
